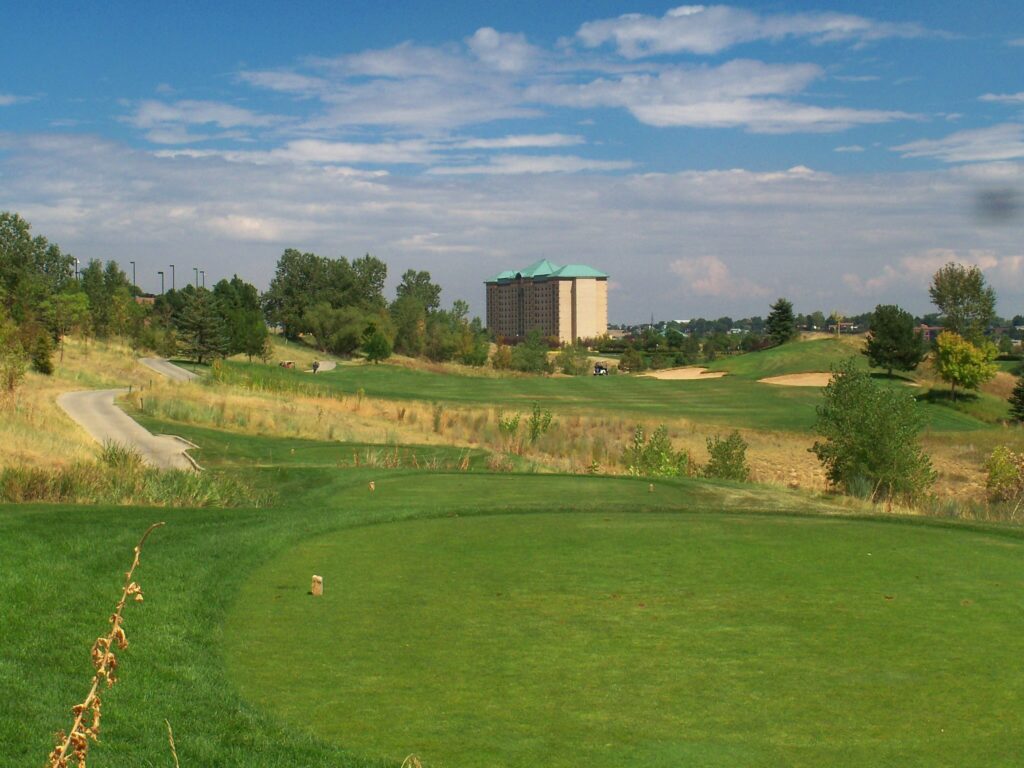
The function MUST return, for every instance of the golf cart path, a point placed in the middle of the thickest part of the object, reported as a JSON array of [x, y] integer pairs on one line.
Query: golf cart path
[[168, 369], [325, 365], [95, 411]]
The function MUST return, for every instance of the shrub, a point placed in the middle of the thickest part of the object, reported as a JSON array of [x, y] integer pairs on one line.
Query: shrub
[[1005, 469], [573, 360], [871, 435], [42, 352], [728, 458], [539, 423], [501, 360], [654, 457]]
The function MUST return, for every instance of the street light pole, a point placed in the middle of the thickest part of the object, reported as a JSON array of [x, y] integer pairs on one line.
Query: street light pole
[[203, 273], [172, 277], [78, 264], [133, 274], [161, 283], [196, 270]]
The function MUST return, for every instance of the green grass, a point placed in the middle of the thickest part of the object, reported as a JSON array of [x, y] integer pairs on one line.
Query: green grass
[[642, 639], [737, 400], [732, 592], [61, 574]]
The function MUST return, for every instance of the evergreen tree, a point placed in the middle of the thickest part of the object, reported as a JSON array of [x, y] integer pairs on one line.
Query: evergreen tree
[[893, 342], [377, 347], [781, 324], [202, 332], [1017, 400]]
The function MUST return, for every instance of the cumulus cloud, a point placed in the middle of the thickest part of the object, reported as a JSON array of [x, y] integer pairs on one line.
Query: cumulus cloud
[[710, 29], [791, 232], [998, 142], [1005, 271], [503, 51], [710, 276]]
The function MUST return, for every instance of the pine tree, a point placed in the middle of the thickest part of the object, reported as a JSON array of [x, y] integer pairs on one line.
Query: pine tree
[[1017, 400], [202, 332], [893, 341], [781, 323]]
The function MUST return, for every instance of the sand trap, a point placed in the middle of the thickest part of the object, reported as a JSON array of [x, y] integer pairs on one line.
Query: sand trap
[[685, 374], [799, 380]]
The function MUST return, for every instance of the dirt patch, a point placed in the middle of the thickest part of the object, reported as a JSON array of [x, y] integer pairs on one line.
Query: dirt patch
[[685, 374], [799, 380]]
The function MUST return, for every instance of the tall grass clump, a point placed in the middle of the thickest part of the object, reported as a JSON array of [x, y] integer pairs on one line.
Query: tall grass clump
[[120, 476]]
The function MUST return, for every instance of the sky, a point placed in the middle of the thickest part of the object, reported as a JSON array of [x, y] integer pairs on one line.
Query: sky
[[708, 158]]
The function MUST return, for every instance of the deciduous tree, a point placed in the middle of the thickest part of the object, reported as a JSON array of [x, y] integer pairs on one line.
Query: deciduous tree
[[966, 303], [963, 364]]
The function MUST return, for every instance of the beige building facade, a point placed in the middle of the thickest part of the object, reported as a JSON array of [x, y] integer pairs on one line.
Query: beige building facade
[[569, 302]]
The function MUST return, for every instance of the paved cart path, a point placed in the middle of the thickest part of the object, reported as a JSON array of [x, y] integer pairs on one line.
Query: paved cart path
[[168, 369], [95, 411]]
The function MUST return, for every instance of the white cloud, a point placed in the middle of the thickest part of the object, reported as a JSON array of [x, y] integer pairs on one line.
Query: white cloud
[[710, 276], [849, 148], [170, 122], [710, 29], [10, 99], [503, 51], [917, 269], [515, 164], [520, 141], [1019, 42], [1004, 98], [740, 93], [998, 142]]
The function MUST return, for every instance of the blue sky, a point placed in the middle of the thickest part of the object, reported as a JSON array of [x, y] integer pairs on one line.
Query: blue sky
[[709, 158]]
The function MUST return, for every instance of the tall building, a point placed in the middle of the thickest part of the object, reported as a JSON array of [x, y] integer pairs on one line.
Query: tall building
[[569, 302]]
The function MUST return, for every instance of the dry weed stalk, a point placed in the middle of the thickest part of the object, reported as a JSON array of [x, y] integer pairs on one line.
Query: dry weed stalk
[[75, 745], [412, 762]]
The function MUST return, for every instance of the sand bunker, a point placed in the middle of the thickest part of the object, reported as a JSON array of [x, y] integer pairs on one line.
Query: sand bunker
[[685, 374], [799, 380]]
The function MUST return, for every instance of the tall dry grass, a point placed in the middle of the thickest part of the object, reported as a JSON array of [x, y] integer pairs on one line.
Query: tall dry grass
[[35, 432]]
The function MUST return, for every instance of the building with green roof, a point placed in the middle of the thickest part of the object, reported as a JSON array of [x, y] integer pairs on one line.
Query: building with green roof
[[569, 302]]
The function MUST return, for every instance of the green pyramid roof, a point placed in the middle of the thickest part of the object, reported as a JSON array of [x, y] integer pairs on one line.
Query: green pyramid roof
[[542, 269]]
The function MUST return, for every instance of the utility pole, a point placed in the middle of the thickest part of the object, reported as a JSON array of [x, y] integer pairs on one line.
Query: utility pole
[[172, 277], [133, 274], [161, 283]]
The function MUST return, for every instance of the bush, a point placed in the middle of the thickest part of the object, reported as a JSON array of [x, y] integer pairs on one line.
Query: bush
[[1005, 469], [728, 458], [42, 352], [539, 423], [501, 360], [655, 457], [871, 436], [573, 360]]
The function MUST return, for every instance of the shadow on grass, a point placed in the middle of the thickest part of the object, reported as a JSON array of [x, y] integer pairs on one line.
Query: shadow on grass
[[895, 377], [945, 397]]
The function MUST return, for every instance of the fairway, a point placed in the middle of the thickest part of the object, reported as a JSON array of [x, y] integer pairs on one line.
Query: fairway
[[654, 639]]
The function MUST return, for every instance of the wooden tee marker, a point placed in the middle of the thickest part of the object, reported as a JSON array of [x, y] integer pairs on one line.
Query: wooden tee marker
[[318, 586]]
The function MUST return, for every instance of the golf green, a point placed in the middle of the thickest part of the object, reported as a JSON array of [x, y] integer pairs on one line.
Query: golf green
[[643, 639]]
